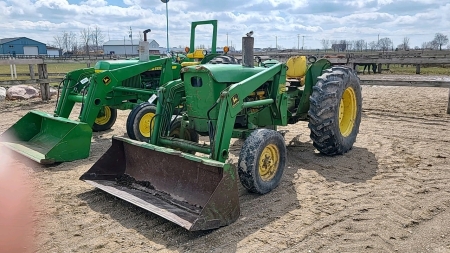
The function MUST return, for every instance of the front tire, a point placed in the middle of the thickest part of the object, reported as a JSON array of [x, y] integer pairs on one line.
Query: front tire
[[105, 119], [138, 122], [262, 160], [335, 111]]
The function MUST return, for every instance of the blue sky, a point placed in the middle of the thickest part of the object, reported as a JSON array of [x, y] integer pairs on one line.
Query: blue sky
[[281, 22]]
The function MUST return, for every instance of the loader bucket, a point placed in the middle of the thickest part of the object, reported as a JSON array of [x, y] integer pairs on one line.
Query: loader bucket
[[194, 192], [47, 139]]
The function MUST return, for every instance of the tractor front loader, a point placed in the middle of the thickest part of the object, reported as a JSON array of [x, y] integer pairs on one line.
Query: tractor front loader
[[192, 184], [49, 138], [102, 90]]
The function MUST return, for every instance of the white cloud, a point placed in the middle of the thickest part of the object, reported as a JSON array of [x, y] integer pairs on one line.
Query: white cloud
[[269, 19]]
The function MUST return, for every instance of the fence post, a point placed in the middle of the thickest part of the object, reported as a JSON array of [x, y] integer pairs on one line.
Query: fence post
[[448, 106], [417, 69], [31, 66], [45, 87]]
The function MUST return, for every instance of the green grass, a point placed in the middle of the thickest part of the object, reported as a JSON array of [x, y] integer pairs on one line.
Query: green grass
[[51, 68], [423, 71], [411, 70]]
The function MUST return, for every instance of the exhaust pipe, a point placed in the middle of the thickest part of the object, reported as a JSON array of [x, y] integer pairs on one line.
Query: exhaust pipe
[[145, 34], [144, 47], [247, 50]]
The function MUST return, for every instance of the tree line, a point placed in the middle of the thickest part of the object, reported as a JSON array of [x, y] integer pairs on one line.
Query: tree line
[[384, 44], [86, 41]]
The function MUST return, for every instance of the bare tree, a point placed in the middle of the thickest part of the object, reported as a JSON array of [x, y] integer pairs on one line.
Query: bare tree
[[440, 39], [360, 45], [66, 41], [344, 44], [97, 37], [432, 45], [373, 45], [85, 36], [406, 43], [58, 40], [385, 43], [325, 44]]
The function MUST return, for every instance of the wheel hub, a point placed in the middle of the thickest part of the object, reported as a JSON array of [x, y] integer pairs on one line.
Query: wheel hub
[[347, 112], [144, 124], [268, 162], [103, 116]]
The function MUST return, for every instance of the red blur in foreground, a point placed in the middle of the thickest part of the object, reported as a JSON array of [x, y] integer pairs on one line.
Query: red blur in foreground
[[16, 222]]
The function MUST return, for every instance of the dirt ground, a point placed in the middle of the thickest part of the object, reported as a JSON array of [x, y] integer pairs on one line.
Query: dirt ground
[[390, 193]]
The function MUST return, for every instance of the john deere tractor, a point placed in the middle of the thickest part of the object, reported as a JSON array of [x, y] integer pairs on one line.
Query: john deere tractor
[[101, 91], [192, 184]]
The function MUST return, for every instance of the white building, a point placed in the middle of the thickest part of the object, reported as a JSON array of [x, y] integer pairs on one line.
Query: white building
[[126, 47], [53, 51]]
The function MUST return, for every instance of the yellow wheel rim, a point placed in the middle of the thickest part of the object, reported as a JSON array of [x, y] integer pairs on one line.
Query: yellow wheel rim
[[268, 162], [144, 124], [103, 119], [347, 112]]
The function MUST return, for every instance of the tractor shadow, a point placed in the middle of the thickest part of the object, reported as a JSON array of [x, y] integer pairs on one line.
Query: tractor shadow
[[356, 166]]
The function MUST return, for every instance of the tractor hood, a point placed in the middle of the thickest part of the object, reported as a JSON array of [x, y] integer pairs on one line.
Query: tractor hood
[[115, 64], [221, 73]]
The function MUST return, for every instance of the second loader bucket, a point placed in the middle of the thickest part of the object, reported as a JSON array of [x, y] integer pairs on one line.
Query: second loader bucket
[[47, 139], [194, 192]]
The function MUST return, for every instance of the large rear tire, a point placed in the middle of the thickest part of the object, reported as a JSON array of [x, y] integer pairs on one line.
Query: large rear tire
[[105, 119], [262, 160], [138, 122], [335, 111]]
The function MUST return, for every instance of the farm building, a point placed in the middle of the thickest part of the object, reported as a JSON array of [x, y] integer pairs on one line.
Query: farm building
[[53, 51], [126, 47], [22, 46]]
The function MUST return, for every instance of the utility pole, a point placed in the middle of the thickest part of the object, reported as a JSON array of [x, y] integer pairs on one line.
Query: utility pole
[[276, 43], [131, 39], [303, 41], [227, 39], [167, 23], [124, 47], [298, 42]]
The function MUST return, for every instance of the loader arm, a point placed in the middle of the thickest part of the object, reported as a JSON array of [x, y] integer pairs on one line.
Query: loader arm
[[231, 102], [73, 82], [103, 84]]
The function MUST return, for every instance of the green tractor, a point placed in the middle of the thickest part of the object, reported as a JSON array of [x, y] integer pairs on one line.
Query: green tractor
[[192, 184], [102, 90]]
